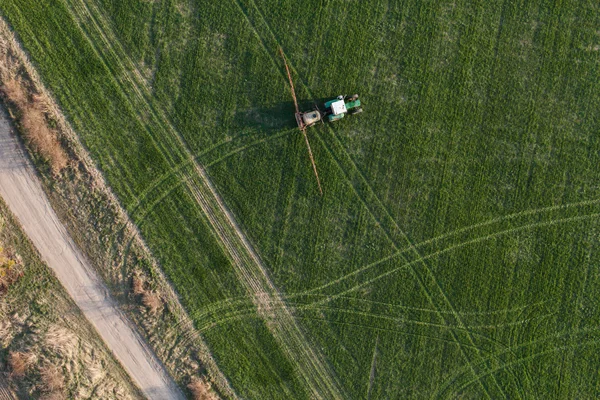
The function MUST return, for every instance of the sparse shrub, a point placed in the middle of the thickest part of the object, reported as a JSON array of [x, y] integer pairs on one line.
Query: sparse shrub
[[41, 138], [137, 285], [200, 389], [52, 379], [152, 302], [19, 363], [14, 91], [35, 126]]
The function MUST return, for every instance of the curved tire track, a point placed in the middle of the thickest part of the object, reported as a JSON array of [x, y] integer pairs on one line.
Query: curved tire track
[[251, 272], [228, 303], [444, 387]]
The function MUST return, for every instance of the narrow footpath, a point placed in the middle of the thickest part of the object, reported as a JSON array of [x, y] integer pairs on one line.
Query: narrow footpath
[[22, 192]]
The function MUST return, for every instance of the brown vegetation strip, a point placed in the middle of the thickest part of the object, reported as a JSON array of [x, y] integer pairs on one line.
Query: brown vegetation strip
[[170, 331], [31, 116], [23, 193]]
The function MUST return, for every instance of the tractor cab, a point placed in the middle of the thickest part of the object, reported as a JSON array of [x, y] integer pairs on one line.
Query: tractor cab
[[336, 108]]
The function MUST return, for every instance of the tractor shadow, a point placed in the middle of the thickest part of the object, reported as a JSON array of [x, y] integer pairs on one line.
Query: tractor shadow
[[276, 117], [267, 119]]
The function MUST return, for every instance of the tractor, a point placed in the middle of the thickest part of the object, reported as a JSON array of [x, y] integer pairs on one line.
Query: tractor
[[335, 109]]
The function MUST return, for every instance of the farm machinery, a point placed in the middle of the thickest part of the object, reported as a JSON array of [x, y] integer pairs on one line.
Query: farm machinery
[[334, 110]]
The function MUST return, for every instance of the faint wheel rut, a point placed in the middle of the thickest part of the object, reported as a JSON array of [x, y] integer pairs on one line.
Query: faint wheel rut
[[365, 193], [252, 273], [454, 379]]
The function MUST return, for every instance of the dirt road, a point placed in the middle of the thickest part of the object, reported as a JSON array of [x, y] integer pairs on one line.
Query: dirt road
[[21, 190]]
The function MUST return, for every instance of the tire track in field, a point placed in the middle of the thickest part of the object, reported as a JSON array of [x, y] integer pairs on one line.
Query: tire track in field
[[426, 279], [229, 303], [373, 368], [491, 355], [143, 212], [242, 303], [441, 339], [399, 320], [380, 213], [242, 309], [138, 206], [445, 386], [175, 172], [243, 314], [246, 263], [246, 313], [284, 200], [384, 314], [138, 211], [472, 241], [282, 323], [120, 77], [461, 231], [516, 332], [500, 347], [379, 329]]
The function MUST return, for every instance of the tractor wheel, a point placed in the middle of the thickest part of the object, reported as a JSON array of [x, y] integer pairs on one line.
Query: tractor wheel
[[354, 97], [355, 111]]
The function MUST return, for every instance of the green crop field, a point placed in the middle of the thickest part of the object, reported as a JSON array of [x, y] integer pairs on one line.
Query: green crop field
[[455, 252]]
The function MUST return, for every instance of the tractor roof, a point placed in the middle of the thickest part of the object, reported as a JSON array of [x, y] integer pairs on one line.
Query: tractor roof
[[338, 107]]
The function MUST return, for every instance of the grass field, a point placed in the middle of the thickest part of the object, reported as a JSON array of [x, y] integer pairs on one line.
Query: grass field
[[455, 251]]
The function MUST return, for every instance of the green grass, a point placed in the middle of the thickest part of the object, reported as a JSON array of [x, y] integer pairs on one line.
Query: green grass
[[455, 250]]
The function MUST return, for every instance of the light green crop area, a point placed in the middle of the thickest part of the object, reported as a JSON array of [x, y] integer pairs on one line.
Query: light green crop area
[[455, 252]]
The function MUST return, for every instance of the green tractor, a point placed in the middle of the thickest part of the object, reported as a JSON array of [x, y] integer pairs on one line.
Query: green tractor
[[336, 108]]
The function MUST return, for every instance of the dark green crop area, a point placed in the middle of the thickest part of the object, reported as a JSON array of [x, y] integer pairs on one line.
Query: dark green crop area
[[456, 250]]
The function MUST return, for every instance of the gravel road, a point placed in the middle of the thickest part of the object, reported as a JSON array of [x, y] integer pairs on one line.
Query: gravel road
[[22, 191]]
